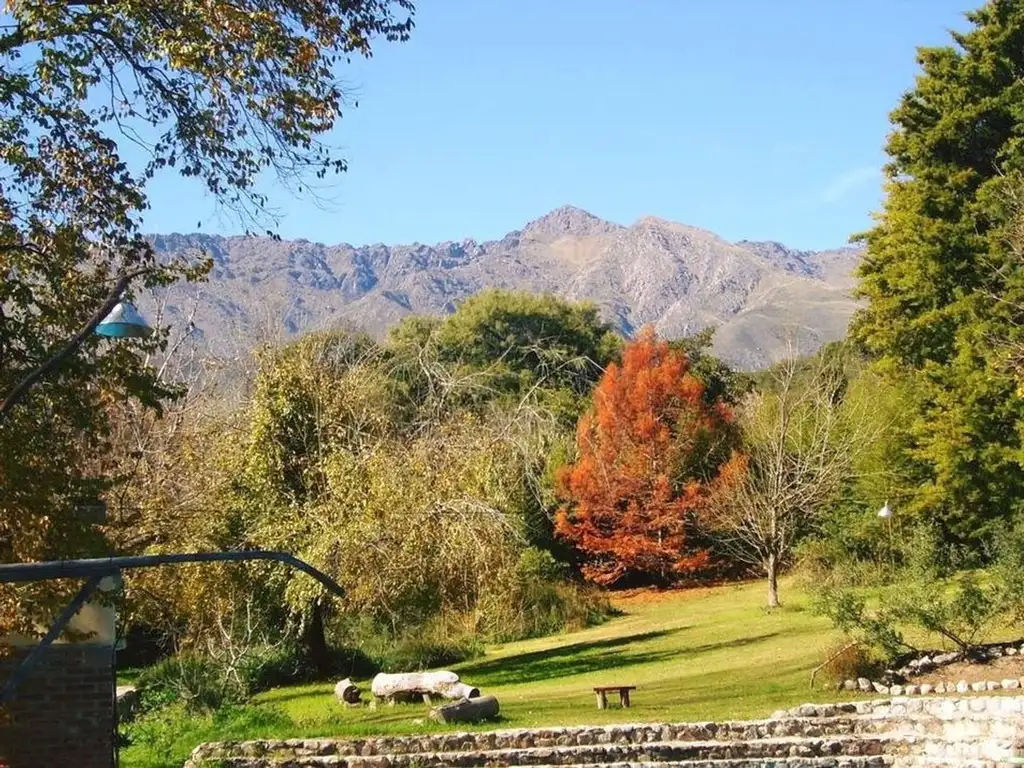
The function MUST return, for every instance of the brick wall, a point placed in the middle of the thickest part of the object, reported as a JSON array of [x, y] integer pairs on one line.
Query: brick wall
[[63, 712]]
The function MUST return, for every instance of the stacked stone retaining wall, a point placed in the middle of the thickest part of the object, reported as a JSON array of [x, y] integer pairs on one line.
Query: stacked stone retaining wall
[[898, 732]]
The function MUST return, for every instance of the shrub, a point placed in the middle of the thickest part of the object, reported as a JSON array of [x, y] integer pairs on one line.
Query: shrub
[[416, 653], [848, 661], [534, 598], [290, 665], [957, 609], [195, 681]]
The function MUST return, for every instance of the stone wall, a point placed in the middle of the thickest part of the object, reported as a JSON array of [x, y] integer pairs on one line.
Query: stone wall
[[908, 732], [63, 713]]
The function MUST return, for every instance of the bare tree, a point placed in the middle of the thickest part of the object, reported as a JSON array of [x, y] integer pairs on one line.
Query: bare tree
[[800, 442]]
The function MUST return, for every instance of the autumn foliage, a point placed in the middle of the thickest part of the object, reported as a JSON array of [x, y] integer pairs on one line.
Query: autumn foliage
[[649, 450]]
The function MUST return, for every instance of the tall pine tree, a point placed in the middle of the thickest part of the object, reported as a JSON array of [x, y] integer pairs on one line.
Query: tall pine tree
[[936, 274]]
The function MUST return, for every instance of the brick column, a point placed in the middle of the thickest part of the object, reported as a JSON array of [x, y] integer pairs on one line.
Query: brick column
[[63, 713]]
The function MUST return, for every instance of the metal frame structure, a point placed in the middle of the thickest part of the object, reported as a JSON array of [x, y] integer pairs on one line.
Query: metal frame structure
[[95, 570]]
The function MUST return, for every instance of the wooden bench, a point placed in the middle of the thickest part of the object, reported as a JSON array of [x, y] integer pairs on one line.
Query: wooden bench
[[602, 694]]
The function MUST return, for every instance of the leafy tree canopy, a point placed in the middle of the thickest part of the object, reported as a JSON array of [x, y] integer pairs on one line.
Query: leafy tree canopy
[[525, 343], [649, 452]]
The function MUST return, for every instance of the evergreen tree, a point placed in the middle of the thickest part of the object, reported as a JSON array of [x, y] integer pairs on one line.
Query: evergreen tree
[[936, 273]]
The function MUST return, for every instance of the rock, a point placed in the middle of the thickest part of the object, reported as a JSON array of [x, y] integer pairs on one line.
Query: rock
[[807, 710], [927, 688], [962, 687], [880, 688], [1010, 651], [779, 714], [1011, 684], [980, 685], [992, 685], [849, 685], [946, 658], [864, 684], [940, 687], [896, 690], [912, 690]]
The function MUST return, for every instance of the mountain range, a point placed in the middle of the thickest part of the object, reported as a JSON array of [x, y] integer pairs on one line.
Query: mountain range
[[762, 297]]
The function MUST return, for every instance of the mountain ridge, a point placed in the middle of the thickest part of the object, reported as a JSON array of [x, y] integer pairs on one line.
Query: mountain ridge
[[680, 278]]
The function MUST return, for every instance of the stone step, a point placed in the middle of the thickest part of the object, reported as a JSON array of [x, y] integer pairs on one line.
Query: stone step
[[947, 762], [637, 734], [838, 761], [598, 754]]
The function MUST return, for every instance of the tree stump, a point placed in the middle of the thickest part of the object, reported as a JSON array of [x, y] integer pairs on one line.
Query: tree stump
[[347, 692], [466, 710]]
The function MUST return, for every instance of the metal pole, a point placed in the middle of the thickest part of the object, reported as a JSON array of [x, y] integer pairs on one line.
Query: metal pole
[[94, 570], [13, 573]]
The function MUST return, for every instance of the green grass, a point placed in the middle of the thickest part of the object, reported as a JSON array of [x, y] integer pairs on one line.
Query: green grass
[[705, 654]]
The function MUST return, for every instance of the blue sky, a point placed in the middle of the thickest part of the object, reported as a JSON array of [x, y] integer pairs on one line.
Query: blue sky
[[758, 119]]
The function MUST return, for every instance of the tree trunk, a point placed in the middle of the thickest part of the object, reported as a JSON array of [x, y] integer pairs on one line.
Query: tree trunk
[[315, 643], [466, 710], [412, 685], [771, 567]]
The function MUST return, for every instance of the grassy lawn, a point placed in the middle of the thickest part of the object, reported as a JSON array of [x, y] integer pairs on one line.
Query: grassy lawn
[[702, 654]]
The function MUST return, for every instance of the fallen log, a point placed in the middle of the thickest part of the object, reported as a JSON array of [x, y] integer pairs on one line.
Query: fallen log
[[347, 692], [411, 685], [466, 710]]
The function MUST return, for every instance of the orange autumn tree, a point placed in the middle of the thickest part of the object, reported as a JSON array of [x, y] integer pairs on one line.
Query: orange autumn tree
[[649, 448]]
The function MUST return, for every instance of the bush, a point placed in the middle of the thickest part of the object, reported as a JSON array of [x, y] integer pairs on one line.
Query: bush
[[194, 681], [958, 610], [848, 661], [535, 598], [290, 665], [823, 562], [417, 653]]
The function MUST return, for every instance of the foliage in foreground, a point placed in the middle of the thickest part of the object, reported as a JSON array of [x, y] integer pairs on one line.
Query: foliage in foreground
[[222, 94]]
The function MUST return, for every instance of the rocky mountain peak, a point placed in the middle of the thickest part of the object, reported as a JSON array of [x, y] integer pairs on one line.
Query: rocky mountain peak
[[568, 220], [678, 277]]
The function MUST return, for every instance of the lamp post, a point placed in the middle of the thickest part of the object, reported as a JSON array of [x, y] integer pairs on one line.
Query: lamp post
[[886, 514]]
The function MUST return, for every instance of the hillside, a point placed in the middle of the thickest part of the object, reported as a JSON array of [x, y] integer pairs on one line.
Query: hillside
[[759, 295]]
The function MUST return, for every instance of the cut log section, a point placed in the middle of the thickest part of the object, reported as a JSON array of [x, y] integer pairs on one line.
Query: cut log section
[[409, 686], [347, 692], [466, 710]]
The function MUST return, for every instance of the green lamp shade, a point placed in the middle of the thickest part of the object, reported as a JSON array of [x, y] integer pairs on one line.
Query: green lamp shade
[[124, 322]]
